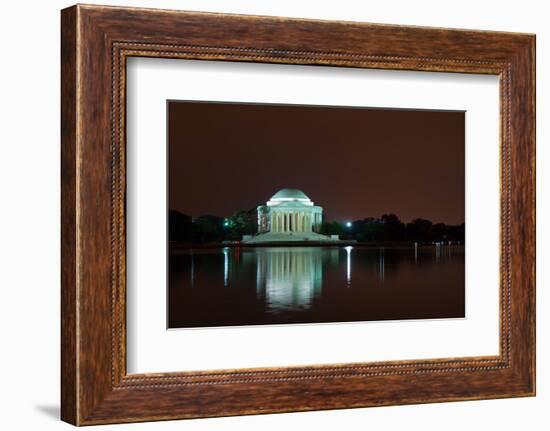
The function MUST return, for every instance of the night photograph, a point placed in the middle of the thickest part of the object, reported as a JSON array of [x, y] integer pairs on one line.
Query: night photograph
[[286, 214]]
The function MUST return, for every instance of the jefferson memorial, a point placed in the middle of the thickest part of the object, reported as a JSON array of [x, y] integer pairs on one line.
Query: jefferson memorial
[[289, 216]]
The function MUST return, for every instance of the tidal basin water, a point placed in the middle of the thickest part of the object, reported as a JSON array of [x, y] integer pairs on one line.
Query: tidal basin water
[[282, 285]]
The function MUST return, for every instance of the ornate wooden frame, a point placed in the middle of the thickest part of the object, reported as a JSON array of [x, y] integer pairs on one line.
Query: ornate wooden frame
[[95, 42]]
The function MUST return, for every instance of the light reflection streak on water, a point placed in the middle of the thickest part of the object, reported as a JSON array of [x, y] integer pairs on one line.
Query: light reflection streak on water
[[225, 266], [348, 264]]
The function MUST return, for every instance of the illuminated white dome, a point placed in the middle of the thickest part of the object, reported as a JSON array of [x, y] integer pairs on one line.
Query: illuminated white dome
[[290, 195]]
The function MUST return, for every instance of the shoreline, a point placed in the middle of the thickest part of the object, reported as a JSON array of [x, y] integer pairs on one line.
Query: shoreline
[[174, 246]]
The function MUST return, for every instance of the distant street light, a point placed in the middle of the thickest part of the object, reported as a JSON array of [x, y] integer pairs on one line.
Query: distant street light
[[226, 223], [348, 224]]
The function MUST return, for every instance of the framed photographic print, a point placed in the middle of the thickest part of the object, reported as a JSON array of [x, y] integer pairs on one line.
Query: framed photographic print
[[265, 214]]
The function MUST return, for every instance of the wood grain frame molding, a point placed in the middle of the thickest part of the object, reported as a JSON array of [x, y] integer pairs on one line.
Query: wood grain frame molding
[[96, 42]]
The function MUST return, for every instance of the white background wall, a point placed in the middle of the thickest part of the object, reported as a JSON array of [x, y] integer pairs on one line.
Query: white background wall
[[29, 215]]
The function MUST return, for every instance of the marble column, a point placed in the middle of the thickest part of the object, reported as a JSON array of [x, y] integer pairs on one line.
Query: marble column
[[289, 218], [315, 222], [290, 222], [287, 215], [287, 222]]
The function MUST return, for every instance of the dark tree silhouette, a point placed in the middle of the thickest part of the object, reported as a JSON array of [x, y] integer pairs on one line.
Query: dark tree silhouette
[[419, 230], [386, 229], [179, 226], [331, 228], [208, 228]]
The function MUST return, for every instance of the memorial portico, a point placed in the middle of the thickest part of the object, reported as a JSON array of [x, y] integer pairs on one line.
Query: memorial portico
[[290, 217], [289, 211]]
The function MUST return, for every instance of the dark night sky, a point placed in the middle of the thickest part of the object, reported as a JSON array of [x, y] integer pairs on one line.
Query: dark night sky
[[354, 162]]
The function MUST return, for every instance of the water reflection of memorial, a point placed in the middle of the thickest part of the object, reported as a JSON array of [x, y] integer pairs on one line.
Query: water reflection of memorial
[[299, 284], [289, 278]]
